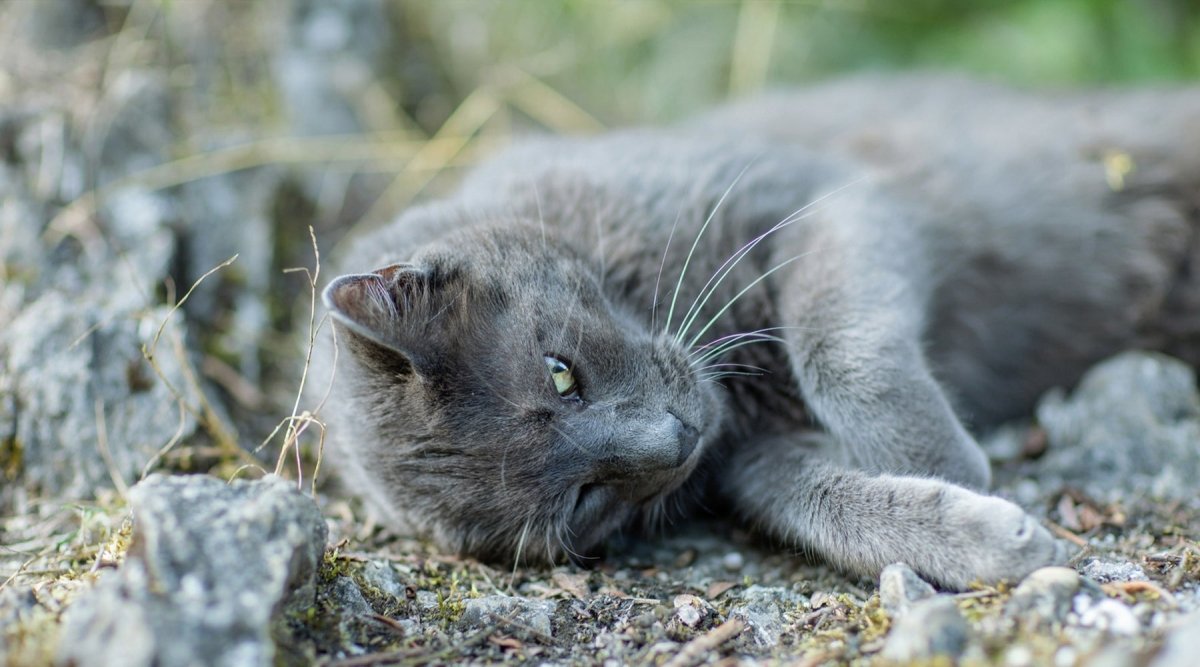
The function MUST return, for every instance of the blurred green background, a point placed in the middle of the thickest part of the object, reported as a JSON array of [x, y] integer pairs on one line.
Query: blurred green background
[[628, 60]]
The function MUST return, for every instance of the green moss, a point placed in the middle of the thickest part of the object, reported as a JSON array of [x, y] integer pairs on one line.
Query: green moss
[[12, 458]]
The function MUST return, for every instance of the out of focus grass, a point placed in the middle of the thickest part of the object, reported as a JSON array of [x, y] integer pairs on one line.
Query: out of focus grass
[[639, 60]]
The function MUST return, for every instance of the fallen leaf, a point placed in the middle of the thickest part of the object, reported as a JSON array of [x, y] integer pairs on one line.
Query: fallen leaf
[[574, 584], [505, 642], [716, 588]]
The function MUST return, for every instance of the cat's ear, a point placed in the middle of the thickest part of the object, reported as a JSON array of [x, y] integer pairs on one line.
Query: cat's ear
[[378, 305]]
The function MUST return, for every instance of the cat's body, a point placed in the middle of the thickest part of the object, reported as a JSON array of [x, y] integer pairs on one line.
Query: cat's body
[[914, 245]]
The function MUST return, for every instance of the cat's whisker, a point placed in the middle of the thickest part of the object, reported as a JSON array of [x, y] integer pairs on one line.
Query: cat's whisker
[[745, 289], [736, 344], [696, 242], [717, 342], [732, 344], [661, 265], [565, 546], [712, 377], [727, 267], [761, 370], [537, 200], [578, 447], [520, 549]]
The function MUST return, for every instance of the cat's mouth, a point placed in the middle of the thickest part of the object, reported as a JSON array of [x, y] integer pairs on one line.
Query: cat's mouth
[[590, 500]]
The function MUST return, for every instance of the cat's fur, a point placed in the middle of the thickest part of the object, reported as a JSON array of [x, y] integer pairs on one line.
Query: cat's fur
[[931, 252]]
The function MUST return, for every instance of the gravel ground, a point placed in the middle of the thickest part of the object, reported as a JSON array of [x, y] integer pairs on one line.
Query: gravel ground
[[116, 195]]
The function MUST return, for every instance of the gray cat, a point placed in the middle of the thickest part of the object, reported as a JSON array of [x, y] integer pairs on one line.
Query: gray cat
[[804, 303]]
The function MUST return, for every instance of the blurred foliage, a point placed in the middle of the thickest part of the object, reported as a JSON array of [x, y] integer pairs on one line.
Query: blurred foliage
[[630, 61], [640, 60]]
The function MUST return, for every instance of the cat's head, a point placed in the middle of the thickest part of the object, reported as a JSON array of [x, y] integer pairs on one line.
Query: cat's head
[[497, 400]]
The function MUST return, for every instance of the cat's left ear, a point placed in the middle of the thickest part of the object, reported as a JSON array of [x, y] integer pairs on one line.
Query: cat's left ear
[[378, 305]]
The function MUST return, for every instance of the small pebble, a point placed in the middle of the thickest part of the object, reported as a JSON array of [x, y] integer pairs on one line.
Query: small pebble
[[930, 628], [688, 615], [900, 587], [733, 561], [1107, 615], [1103, 571], [1182, 644], [1045, 596]]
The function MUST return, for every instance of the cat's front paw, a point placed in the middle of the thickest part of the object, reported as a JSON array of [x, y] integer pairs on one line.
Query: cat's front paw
[[989, 539]]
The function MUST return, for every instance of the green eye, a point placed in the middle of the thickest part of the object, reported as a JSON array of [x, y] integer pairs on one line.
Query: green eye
[[564, 379]]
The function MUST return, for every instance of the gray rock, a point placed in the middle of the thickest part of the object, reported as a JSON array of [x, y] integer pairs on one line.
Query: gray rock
[[1103, 571], [75, 390], [380, 574], [1045, 596], [900, 587], [211, 567], [333, 54], [930, 628], [1105, 615], [764, 610], [1182, 645], [1132, 424], [523, 614]]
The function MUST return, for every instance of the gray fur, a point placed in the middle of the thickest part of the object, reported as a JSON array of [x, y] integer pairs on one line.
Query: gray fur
[[952, 250]]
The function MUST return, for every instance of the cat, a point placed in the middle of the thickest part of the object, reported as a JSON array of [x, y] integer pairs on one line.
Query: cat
[[798, 303]]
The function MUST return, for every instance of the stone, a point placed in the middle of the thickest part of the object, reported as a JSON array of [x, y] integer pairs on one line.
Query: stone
[[1131, 425], [930, 628], [764, 609], [733, 561], [1106, 615], [1045, 596], [523, 614], [1182, 644], [380, 575], [210, 569], [1103, 572], [79, 403], [900, 587]]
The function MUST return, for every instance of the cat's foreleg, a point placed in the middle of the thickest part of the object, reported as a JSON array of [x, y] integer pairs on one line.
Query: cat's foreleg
[[861, 522], [852, 313]]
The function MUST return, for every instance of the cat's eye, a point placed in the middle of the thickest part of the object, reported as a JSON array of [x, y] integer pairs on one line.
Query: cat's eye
[[564, 379]]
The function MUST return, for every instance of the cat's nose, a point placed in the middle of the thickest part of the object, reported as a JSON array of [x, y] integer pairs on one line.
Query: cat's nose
[[687, 437]]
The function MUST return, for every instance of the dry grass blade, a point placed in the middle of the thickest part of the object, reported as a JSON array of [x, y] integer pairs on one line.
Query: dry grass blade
[[451, 139], [546, 105], [204, 413], [697, 649], [752, 44], [298, 421]]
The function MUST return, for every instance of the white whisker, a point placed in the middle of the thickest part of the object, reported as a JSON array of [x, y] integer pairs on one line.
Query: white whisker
[[727, 267], [696, 242], [661, 264], [736, 344], [739, 295]]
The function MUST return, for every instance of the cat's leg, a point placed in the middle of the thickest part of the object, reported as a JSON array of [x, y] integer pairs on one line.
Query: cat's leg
[[853, 306], [861, 522]]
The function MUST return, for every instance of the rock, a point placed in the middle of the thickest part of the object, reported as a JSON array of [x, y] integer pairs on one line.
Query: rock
[[900, 587], [523, 614], [1106, 615], [733, 561], [1182, 644], [1131, 425], [764, 610], [381, 575], [210, 568], [1103, 572], [1045, 596], [79, 404], [930, 628], [690, 610]]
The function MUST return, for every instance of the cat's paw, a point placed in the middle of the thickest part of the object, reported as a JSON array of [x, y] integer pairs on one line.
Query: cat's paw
[[988, 539]]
